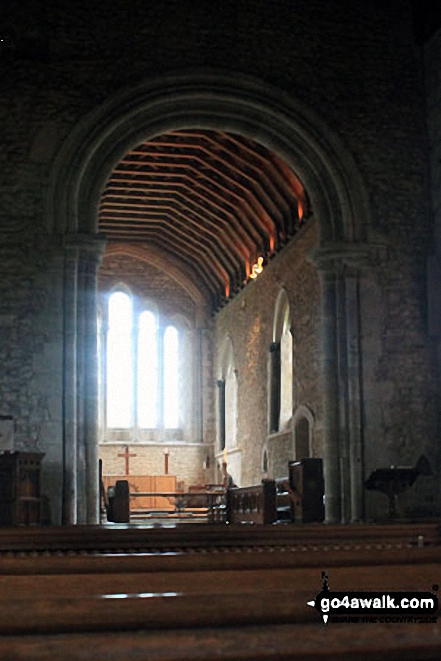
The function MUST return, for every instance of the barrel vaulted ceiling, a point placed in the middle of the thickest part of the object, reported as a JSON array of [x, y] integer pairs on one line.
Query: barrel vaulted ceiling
[[213, 201]]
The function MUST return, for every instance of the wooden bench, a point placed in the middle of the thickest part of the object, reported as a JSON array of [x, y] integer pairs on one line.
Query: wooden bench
[[77, 593], [267, 642], [137, 560], [130, 539]]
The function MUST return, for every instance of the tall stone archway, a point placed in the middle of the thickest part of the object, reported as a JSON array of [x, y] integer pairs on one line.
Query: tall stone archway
[[216, 99]]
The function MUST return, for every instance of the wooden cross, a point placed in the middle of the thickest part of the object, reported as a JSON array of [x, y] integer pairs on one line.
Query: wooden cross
[[127, 454]]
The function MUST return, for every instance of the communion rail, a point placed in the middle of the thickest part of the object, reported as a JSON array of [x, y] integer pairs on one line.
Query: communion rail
[[191, 506]]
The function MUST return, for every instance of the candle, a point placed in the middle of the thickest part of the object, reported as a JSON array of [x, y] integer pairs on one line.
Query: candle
[[166, 461], [225, 455]]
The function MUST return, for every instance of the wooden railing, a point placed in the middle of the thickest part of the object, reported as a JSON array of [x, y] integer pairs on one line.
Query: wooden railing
[[190, 506], [256, 504]]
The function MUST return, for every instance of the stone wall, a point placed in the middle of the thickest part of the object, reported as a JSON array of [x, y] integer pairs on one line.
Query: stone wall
[[248, 321], [186, 461], [31, 359], [355, 65]]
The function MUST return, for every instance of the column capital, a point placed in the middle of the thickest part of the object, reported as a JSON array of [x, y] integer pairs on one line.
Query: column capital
[[88, 247], [346, 258]]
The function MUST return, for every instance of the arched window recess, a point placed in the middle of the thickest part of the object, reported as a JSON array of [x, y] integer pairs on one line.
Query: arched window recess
[[227, 399], [142, 362], [281, 367], [303, 424]]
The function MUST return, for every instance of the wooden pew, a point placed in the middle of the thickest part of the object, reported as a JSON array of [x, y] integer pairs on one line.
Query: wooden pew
[[43, 553], [275, 601], [213, 573], [63, 592], [271, 642], [131, 539]]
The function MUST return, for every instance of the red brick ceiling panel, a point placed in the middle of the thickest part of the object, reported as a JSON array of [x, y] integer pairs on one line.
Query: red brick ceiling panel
[[213, 200]]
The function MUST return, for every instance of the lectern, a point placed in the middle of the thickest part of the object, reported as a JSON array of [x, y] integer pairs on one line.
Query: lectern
[[20, 497]]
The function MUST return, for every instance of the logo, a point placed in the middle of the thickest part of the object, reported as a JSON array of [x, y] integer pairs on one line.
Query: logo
[[382, 607]]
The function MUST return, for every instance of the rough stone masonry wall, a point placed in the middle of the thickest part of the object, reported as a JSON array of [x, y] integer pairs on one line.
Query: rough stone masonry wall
[[351, 61], [248, 321], [186, 461], [432, 56], [31, 325]]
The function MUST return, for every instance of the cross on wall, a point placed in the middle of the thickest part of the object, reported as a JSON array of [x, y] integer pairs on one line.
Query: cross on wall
[[126, 454]]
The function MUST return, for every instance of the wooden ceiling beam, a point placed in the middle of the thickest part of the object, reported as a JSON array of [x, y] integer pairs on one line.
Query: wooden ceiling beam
[[253, 220], [221, 250], [234, 214], [267, 163], [211, 199], [241, 174], [235, 150], [253, 199], [220, 224]]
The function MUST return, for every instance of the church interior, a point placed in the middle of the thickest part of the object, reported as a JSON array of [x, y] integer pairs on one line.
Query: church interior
[[219, 305]]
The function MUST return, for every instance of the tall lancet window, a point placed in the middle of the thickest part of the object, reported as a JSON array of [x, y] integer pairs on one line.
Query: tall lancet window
[[281, 368], [171, 378], [148, 373], [119, 361], [142, 367]]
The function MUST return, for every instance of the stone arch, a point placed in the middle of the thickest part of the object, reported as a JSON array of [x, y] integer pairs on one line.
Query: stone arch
[[282, 337], [166, 263], [229, 390], [280, 309], [216, 99], [303, 422], [212, 99], [229, 376], [227, 360]]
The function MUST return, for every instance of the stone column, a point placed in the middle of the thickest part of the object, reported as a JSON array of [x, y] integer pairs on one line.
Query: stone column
[[80, 397], [340, 267], [331, 454], [69, 507], [91, 249], [355, 393]]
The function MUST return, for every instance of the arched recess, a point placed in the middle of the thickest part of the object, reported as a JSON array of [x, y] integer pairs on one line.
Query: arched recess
[[173, 270], [212, 99], [229, 101], [282, 339], [303, 423], [228, 410], [229, 376]]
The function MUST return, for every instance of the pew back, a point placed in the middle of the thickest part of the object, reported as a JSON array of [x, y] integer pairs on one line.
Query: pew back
[[87, 592]]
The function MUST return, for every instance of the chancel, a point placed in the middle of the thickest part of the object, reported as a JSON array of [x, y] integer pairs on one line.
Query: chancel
[[220, 255]]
